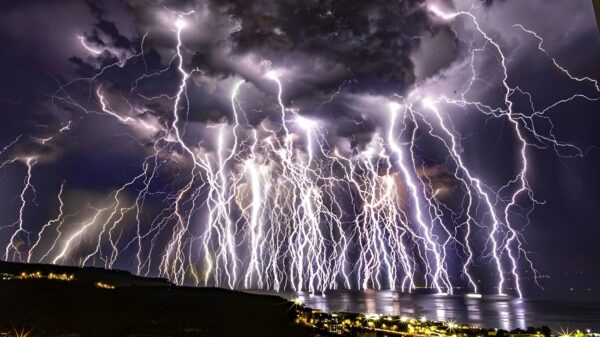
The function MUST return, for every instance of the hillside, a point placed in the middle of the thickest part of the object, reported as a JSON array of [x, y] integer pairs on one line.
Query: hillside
[[135, 307]]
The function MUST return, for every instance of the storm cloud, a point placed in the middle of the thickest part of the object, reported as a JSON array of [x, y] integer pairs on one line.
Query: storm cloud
[[340, 63]]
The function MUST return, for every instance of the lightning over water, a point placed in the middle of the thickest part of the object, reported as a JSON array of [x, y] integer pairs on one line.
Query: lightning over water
[[270, 195]]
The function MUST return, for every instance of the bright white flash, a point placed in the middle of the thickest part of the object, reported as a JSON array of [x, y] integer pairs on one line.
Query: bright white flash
[[305, 123], [87, 47], [441, 14], [180, 23]]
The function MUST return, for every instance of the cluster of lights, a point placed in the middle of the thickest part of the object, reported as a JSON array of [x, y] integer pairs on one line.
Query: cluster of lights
[[421, 326], [104, 285], [51, 276], [405, 325]]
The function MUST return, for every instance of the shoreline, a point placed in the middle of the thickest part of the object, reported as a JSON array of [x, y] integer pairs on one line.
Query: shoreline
[[50, 300]]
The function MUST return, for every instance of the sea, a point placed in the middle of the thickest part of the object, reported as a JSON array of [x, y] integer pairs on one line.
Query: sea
[[561, 314]]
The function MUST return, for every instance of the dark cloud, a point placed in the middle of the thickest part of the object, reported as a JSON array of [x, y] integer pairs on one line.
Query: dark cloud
[[369, 41], [339, 62]]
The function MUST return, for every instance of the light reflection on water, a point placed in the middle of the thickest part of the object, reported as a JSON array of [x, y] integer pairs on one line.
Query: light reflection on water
[[489, 311]]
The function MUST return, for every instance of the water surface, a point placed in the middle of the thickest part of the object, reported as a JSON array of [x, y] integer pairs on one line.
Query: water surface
[[488, 311]]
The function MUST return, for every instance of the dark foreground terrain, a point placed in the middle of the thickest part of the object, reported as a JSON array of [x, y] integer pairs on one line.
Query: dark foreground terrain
[[135, 307]]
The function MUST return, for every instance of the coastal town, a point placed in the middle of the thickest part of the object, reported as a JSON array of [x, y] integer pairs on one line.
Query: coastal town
[[379, 325]]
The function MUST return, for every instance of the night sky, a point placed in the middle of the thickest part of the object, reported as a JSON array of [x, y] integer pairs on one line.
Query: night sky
[[340, 63]]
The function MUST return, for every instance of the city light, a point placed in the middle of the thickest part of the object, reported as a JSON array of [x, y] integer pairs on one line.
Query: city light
[[104, 285]]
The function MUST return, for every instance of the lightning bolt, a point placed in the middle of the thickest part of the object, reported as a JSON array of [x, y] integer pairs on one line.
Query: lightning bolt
[[28, 186], [279, 205]]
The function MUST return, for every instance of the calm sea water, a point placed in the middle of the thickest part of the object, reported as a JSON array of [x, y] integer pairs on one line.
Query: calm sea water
[[489, 311]]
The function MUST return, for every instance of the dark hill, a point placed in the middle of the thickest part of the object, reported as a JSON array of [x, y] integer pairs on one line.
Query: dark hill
[[136, 307]]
